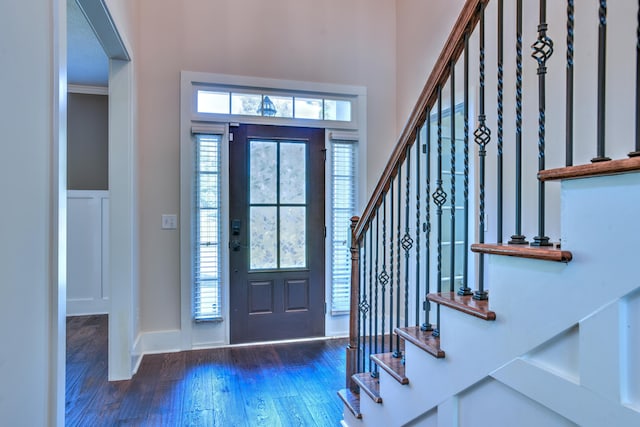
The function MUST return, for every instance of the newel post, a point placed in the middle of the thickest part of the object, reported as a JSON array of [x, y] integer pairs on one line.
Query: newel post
[[352, 347]]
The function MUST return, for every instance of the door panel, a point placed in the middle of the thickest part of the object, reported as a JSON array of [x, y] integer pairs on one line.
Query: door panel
[[277, 233]]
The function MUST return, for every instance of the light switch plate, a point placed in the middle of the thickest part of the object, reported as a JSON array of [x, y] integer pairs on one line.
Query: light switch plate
[[169, 222]]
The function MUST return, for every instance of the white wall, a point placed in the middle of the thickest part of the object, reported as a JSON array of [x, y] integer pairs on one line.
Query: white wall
[[344, 42], [33, 218], [422, 29]]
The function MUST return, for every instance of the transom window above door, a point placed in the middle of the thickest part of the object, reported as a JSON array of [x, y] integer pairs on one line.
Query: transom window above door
[[240, 103]]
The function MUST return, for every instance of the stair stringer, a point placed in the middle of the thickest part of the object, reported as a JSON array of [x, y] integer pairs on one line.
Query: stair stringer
[[534, 300]]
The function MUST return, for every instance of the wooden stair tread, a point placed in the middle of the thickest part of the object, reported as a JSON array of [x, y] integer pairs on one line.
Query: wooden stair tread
[[464, 303], [351, 400], [610, 167], [393, 366], [368, 384], [422, 339], [550, 253]]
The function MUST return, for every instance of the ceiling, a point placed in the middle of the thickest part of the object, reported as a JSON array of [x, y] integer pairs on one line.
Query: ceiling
[[87, 64]]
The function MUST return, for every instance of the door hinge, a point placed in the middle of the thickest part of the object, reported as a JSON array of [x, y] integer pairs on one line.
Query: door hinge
[[325, 308], [230, 136], [324, 154], [325, 231]]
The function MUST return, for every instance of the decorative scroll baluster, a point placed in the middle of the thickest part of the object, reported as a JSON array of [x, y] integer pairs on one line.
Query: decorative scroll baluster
[[500, 121], [569, 111], [439, 198], [602, 77], [407, 244], [464, 288], [370, 291], [374, 372], [637, 148], [452, 251], [482, 137], [418, 180], [363, 305], [542, 51], [391, 253], [426, 148], [518, 238], [384, 276]]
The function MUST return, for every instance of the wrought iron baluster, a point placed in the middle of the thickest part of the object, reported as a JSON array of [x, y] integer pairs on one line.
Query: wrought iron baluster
[[397, 352], [500, 121], [407, 244], [391, 264], [542, 51], [384, 276], [602, 78], [439, 198], [363, 304], [426, 148], [370, 290], [637, 147], [482, 137], [569, 111], [418, 145], [464, 288], [518, 238], [452, 249], [374, 372]]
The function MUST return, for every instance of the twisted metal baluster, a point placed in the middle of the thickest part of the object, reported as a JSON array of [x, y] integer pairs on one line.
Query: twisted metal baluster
[[464, 288], [426, 148], [500, 121], [637, 147], [542, 51], [452, 249], [439, 198], [482, 137], [518, 238], [407, 244], [602, 78], [569, 110]]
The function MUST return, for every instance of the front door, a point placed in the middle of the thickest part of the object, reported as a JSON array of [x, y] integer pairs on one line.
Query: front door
[[277, 233]]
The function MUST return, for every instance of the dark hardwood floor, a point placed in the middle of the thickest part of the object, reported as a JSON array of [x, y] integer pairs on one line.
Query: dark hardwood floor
[[269, 385]]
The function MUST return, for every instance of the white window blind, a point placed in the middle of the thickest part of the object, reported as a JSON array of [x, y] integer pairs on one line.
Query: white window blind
[[343, 204], [206, 229]]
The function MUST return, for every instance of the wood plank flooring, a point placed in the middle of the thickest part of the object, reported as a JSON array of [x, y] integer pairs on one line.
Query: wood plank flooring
[[268, 385]]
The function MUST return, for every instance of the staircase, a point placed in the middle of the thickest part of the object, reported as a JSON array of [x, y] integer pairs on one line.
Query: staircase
[[550, 334]]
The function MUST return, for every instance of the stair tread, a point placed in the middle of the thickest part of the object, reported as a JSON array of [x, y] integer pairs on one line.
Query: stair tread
[[464, 303], [392, 365], [422, 339], [550, 253], [370, 385], [351, 400]]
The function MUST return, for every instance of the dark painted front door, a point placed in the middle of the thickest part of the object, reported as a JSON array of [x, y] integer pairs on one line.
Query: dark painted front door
[[277, 233]]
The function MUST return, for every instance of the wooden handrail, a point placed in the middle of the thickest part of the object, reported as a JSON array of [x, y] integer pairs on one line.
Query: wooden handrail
[[452, 50]]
